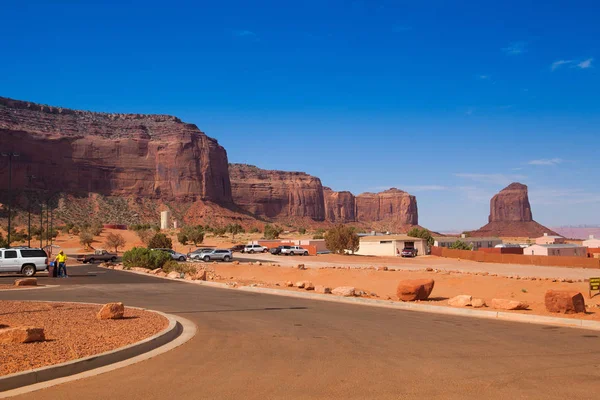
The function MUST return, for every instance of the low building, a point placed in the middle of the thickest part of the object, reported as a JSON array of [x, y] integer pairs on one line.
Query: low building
[[592, 243], [476, 242], [390, 245], [550, 239], [560, 249]]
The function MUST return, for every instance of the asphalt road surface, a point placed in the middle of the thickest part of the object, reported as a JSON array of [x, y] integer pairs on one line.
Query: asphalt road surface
[[252, 346]]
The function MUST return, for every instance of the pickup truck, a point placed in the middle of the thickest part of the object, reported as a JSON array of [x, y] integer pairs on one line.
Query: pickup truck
[[99, 255]]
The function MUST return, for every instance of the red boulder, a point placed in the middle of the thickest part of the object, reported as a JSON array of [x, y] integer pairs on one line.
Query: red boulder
[[564, 301], [414, 289]]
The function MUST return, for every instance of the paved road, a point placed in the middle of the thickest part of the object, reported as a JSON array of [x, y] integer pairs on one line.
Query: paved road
[[252, 346]]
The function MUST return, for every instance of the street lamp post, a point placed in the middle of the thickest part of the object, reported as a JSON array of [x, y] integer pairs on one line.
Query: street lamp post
[[10, 156], [30, 178], [41, 224]]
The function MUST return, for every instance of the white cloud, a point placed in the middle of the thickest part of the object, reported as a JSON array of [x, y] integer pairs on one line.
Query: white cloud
[[560, 63], [515, 48], [426, 188], [585, 64], [495, 179], [476, 194], [545, 161], [558, 196]]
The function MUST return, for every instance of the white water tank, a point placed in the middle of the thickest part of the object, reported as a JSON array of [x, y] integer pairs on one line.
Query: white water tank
[[165, 219]]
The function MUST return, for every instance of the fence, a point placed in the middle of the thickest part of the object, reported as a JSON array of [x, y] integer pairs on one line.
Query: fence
[[502, 250], [548, 261]]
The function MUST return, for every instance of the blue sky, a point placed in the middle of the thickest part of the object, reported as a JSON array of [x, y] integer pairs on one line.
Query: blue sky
[[448, 102]]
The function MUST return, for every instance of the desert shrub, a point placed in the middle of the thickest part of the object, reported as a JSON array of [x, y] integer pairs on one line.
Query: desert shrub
[[75, 230], [173, 265], [342, 238], [272, 232], [96, 229], [194, 234], [145, 235], [423, 234], [302, 231], [86, 238], [219, 231], [182, 238], [254, 230], [460, 245], [114, 240], [3, 242], [145, 258], [234, 229], [160, 241], [318, 236]]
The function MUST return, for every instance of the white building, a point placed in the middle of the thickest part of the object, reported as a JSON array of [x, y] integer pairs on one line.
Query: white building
[[390, 245], [592, 243]]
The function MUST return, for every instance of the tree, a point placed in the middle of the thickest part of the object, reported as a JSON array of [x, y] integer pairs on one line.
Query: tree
[[160, 241], [219, 231], [115, 240], [272, 232], [182, 238], [460, 245], [194, 234], [319, 234], [254, 229], [302, 231], [234, 229], [423, 234], [3, 242], [341, 239], [145, 235], [86, 238]]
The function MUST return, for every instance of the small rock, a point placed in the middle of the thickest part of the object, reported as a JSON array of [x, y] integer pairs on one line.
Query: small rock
[[322, 289], [200, 276], [22, 335], [258, 263], [299, 284], [504, 304], [174, 275], [236, 263], [26, 282], [478, 303], [118, 267], [428, 269], [161, 274], [462, 300], [309, 286], [111, 311], [346, 291], [289, 284], [300, 266]]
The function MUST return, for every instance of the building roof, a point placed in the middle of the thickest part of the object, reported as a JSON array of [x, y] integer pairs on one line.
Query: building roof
[[557, 246], [390, 237], [551, 237]]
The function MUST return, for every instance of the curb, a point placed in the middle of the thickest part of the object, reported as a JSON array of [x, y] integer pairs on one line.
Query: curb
[[39, 378], [446, 310], [30, 288]]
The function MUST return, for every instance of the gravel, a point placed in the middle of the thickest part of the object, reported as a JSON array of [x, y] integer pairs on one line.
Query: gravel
[[72, 331]]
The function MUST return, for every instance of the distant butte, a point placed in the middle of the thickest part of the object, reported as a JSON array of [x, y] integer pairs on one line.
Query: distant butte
[[511, 216]]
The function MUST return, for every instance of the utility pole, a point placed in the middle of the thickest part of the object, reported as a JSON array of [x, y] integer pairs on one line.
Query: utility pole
[[10, 156], [47, 220], [51, 226], [30, 178], [41, 224]]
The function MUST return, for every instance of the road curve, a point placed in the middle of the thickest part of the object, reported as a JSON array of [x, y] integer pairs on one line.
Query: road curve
[[252, 346]]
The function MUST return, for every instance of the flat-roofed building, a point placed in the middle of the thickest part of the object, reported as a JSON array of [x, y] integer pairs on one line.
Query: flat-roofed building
[[390, 245], [559, 249]]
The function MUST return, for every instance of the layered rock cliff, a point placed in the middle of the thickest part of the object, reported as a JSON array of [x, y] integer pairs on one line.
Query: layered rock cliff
[[149, 156], [277, 194], [511, 216], [280, 194]]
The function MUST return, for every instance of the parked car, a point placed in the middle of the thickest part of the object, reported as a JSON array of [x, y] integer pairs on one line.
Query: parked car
[[197, 254], [238, 247], [98, 255], [277, 250], [218, 254], [26, 261], [254, 248], [174, 255], [409, 252], [294, 251]]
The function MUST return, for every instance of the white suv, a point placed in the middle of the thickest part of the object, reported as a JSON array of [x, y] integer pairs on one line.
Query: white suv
[[294, 251], [23, 260], [254, 248]]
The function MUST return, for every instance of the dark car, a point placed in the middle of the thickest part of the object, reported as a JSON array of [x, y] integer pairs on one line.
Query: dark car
[[276, 250], [238, 248], [409, 252]]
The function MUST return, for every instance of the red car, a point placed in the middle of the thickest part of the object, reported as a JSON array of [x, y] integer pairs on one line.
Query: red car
[[409, 252]]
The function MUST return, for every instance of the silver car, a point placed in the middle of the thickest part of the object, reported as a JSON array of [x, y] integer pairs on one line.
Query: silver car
[[174, 255], [23, 260], [218, 254], [198, 253]]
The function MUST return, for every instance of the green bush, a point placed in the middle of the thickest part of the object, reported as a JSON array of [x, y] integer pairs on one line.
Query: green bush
[[194, 234], [318, 236], [302, 231], [173, 265], [272, 232], [423, 234], [342, 238], [255, 230], [460, 245], [160, 241], [234, 229], [144, 258]]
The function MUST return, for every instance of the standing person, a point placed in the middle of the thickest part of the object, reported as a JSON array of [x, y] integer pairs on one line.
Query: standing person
[[61, 259]]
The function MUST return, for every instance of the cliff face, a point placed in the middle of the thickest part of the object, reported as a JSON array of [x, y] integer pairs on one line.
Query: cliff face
[[511, 216], [340, 207], [511, 204], [153, 156], [277, 194], [392, 205]]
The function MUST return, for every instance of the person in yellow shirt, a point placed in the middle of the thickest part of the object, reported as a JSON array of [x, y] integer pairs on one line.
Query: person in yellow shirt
[[61, 260]]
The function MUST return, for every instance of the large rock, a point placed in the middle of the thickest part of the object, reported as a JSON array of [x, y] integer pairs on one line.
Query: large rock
[[111, 311], [462, 300], [511, 216], [346, 291], [26, 282], [564, 301], [393, 206], [322, 289], [340, 207], [504, 304], [478, 303], [21, 335], [414, 289], [174, 275], [145, 156]]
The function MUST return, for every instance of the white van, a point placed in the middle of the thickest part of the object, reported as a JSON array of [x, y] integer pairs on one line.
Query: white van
[[23, 260]]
